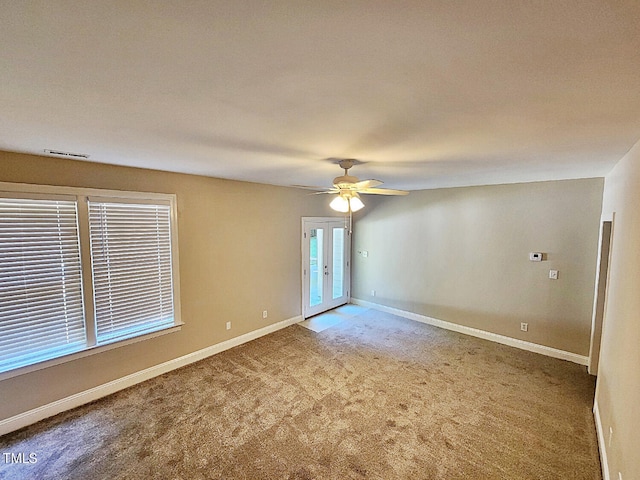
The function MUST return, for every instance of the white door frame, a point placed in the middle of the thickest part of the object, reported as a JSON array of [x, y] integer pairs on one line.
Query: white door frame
[[600, 297], [329, 223]]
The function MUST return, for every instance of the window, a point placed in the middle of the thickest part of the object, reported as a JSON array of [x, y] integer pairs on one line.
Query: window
[[83, 269], [131, 268], [41, 312]]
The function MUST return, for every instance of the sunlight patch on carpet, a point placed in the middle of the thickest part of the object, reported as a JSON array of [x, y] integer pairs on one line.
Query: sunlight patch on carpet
[[329, 319]]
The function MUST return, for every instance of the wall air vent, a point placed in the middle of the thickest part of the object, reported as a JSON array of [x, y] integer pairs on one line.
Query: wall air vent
[[66, 154]]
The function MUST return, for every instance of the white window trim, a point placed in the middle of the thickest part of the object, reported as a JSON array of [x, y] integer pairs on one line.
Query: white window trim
[[26, 190]]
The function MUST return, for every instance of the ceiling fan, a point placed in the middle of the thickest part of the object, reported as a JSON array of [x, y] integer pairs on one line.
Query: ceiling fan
[[348, 189]]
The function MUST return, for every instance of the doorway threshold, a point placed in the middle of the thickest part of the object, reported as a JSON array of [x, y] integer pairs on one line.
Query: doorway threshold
[[328, 319]]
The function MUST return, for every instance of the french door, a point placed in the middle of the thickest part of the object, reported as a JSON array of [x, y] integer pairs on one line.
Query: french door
[[326, 254]]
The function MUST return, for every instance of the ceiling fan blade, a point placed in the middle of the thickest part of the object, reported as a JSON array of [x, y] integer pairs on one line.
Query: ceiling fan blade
[[326, 191], [382, 191], [366, 184], [309, 187]]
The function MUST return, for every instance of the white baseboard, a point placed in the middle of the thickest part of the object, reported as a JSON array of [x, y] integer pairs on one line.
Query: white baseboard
[[494, 337], [604, 463], [32, 416]]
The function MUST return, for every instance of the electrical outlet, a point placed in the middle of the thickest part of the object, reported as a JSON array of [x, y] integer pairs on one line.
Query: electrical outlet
[[373, 293], [553, 274], [524, 327], [265, 314], [228, 325]]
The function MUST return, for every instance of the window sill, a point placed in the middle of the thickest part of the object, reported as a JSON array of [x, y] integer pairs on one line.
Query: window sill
[[89, 351]]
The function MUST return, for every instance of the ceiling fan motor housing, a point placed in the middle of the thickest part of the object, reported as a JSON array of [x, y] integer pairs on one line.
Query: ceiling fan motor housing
[[345, 180]]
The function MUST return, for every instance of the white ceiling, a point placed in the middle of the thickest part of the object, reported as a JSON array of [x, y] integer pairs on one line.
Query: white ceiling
[[426, 93]]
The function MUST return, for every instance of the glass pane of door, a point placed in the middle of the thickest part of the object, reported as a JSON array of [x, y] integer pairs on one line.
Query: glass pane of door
[[338, 263], [316, 266]]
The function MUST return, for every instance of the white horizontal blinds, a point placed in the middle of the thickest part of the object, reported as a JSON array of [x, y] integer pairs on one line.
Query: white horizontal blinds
[[41, 309], [131, 265]]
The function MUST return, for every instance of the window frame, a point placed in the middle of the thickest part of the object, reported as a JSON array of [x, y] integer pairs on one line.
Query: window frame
[[82, 196]]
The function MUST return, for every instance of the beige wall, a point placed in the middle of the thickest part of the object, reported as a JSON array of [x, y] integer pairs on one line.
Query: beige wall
[[239, 255], [462, 255], [618, 388]]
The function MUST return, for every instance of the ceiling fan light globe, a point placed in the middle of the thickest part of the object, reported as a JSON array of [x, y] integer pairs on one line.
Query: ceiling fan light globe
[[340, 204], [356, 204]]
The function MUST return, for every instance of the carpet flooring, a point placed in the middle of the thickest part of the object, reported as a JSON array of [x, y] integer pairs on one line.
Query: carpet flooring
[[374, 396]]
